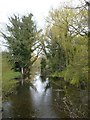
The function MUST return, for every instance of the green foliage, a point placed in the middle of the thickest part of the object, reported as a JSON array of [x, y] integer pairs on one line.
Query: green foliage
[[56, 58], [8, 75], [43, 66], [21, 38], [68, 46], [64, 43]]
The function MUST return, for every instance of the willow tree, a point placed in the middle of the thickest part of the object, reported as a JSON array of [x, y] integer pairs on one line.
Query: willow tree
[[21, 39], [68, 29]]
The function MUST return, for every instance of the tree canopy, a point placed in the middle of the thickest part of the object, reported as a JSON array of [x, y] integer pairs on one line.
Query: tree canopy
[[67, 44], [21, 39], [64, 43]]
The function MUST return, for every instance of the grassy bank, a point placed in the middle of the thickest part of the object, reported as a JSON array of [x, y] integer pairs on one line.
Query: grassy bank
[[8, 75], [0, 82]]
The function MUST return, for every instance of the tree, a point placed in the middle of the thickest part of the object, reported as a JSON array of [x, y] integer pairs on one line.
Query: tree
[[67, 29], [43, 66], [21, 39]]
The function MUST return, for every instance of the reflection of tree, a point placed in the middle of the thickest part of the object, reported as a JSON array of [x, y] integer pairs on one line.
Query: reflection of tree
[[47, 86], [74, 104], [21, 103], [43, 78], [33, 86], [71, 103]]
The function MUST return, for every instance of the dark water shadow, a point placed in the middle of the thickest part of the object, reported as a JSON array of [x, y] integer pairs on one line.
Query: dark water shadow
[[43, 99]]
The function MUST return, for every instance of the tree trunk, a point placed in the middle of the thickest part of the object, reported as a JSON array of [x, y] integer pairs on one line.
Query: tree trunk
[[22, 76], [26, 73]]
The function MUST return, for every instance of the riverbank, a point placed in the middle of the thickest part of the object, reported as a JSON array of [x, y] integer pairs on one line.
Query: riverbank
[[8, 75]]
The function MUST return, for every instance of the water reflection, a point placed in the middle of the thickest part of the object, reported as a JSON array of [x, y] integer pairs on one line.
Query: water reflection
[[43, 99], [28, 102], [74, 103]]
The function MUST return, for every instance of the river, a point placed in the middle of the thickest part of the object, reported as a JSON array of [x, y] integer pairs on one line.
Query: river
[[46, 100]]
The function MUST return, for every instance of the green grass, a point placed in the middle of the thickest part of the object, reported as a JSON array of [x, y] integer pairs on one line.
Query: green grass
[[0, 81], [8, 75]]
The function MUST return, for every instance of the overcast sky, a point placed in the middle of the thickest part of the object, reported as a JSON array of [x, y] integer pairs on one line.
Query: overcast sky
[[39, 8]]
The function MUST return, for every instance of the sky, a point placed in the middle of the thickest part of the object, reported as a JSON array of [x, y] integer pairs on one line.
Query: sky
[[39, 8]]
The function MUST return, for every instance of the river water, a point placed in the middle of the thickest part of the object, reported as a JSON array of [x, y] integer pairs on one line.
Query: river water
[[43, 99]]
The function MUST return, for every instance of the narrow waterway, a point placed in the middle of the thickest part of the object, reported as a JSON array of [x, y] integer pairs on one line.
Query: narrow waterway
[[45, 100]]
